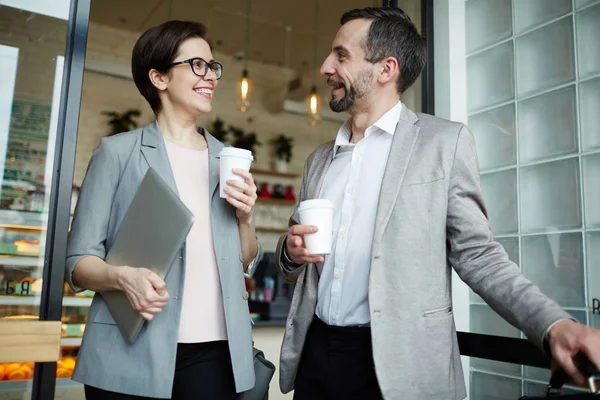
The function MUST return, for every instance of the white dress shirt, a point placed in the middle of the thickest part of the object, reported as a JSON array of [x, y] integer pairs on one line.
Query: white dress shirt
[[353, 183]]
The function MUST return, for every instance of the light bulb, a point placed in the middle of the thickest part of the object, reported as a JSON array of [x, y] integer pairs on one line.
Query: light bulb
[[314, 105], [244, 92]]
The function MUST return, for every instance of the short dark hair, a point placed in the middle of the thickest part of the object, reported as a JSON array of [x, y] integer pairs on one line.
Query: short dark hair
[[157, 49], [392, 34]]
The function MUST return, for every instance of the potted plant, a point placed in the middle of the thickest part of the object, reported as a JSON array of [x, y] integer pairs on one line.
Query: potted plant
[[122, 122], [283, 151], [244, 140], [218, 130]]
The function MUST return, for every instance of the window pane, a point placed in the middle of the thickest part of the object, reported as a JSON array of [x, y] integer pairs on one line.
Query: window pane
[[495, 137], [550, 196], [588, 51], [529, 13], [555, 263], [487, 22], [491, 387], [593, 270], [583, 3], [490, 77], [547, 125], [545, 57], [500, 195], [591, 184], [589, 104]]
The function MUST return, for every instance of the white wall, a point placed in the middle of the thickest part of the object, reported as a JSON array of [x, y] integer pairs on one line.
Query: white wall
[[451, 103]]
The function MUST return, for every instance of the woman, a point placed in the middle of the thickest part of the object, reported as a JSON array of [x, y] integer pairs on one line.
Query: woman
[[197, 341]]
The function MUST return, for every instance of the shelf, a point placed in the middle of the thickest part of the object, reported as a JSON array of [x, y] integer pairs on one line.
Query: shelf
[[283, 202], [70, 342], [264, 171], [27, 384], [21, 261], [269, 229], [27, 219], [68, 301]]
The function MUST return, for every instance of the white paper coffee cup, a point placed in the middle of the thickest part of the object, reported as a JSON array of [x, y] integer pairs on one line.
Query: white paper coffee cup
[[231, 158], [318, 212]]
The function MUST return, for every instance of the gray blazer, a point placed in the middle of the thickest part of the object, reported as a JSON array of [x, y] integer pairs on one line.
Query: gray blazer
[[147, 367], [430, 218]]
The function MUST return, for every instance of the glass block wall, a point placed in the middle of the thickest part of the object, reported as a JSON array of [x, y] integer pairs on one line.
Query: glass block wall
[[533, 100]]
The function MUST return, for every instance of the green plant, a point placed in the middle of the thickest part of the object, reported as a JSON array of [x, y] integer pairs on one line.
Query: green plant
[[283, 147], [244, 140], [218, 130], [122, 122]]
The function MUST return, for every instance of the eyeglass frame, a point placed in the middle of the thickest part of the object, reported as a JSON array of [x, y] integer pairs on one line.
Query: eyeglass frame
[[206, 66]]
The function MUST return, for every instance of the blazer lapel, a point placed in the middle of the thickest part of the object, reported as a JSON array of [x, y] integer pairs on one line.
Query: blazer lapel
[[319, 167], [155, 153], [403, 144], [214, 148]]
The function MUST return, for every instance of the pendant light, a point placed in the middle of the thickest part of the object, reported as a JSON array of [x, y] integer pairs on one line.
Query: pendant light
[[244, 84], [314, 102]]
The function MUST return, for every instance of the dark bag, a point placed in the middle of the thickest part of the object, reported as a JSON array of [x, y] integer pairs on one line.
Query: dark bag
[[560, 377], [264, 370]]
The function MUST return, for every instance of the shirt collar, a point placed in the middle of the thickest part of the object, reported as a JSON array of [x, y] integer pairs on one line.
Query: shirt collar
[[387, 123]]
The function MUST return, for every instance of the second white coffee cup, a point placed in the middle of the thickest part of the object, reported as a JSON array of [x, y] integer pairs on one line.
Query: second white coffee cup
[[318, 212], [232, 157]]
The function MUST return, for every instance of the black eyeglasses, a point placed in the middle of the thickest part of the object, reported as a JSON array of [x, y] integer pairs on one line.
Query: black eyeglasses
[[200, 66]]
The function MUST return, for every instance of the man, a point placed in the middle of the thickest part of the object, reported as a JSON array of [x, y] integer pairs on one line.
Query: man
[[373, 319]]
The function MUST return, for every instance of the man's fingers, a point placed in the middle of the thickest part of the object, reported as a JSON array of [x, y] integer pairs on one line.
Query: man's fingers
[[297, 230], [570, 368]]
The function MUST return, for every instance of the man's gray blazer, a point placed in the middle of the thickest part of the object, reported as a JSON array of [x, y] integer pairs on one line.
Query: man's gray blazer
[[430, 218], [147, 367]]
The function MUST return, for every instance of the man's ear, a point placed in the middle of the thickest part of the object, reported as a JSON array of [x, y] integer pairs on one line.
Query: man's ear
[[159, 80], [390, 68]]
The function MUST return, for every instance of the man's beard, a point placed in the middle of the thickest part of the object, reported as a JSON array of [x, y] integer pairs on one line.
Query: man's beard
[[352, 92]]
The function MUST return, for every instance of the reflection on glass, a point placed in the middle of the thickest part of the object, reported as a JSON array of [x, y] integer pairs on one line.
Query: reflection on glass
[[588, 52], [491, 77], [492, 387], [495, 136], [547, 125], [549, 196], [589, 104], [534, 12], [555, 263], [545, 57], [31, 53], [591, 182], [500, 195], [488, 22]]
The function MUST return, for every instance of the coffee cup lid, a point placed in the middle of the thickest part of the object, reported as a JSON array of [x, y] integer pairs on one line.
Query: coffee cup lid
[[236, 152], [315, 203]]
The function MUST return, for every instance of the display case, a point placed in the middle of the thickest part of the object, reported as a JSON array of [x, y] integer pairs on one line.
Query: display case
[[22, 234]]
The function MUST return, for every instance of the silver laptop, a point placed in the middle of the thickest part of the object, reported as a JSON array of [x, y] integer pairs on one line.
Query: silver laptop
[[150, 236]]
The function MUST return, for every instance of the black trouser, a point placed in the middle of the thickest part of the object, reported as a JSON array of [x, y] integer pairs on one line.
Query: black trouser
[[203, 372], [337, 363]]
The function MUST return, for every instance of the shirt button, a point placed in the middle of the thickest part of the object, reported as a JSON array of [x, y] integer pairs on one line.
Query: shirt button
[[245, 295], [334, 317], [341, 233], [337, 276]]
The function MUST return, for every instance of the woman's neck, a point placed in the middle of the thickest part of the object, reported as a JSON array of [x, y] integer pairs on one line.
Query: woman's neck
[[180, 131]]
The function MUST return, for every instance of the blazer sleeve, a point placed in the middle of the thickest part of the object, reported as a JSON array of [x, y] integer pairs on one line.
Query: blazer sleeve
[[482, 262], [89, 229]]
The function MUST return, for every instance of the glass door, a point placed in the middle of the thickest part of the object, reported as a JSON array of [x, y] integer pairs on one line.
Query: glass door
[[38, 62]]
